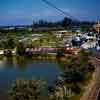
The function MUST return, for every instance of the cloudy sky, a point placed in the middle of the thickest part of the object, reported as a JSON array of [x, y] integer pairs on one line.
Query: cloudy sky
[[25, 11]]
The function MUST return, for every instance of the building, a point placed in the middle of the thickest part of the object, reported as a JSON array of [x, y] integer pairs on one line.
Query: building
[[1, 52], [97, 27], [6, 51]]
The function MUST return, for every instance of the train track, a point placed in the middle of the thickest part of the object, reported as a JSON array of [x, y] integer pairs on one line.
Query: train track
[[93, 95], [94, 90]]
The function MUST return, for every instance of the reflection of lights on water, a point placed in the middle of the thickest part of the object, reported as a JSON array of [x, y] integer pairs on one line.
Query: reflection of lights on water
[[15, 62], [1, 64], [10, 62], [4, 62]]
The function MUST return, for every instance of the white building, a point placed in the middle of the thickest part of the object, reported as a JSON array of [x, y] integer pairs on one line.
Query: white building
[[1, 52]]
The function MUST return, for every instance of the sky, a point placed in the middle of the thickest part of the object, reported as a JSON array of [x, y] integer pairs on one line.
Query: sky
[[15, 12]]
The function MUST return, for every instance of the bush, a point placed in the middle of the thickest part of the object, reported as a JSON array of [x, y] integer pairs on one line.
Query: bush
[[27, 90]]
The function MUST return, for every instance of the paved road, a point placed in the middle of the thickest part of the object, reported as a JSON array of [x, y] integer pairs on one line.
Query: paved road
[[93, 89]]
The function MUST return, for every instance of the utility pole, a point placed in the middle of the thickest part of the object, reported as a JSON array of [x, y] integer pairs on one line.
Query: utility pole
[[98, 34], [98, 27]]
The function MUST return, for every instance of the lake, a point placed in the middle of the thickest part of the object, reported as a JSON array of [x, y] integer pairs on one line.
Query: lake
[[12, 69]]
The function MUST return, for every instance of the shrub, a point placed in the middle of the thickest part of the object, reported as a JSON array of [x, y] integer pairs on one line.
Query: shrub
[[27, 90]]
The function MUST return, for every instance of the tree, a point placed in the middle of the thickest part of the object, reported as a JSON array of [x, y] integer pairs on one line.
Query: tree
[[60, 53], [86, 26], [11, 43], [20, 49], [67, 22], [27, 90]]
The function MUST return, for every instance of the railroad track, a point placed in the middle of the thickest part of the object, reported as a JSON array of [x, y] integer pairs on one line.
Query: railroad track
[[93, 95], [94, 90]]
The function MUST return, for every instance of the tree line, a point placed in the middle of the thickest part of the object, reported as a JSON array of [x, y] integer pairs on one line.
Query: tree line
[[67, 23]]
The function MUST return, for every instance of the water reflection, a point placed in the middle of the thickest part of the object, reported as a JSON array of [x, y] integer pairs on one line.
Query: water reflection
[[15, 62], [13, 68]]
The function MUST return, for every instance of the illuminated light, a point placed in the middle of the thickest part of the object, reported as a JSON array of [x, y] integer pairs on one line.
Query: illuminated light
[[1, 52], [1, 64], [71, 49], [27, 49], [76, 52], [67, 48], [39, 49]]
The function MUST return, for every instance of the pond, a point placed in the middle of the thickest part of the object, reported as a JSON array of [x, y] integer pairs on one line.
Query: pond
[[12, 69]]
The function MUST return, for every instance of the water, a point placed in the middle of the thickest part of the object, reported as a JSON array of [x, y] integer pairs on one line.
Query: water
[[12, 69], [98, 97]]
